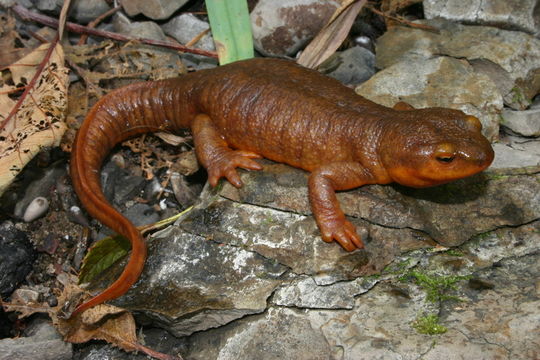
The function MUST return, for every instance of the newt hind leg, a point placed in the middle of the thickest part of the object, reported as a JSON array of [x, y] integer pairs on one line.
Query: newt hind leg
[[216, 156]]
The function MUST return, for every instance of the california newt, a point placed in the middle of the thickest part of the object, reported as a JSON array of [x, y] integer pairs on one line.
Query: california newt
[[281, 111]]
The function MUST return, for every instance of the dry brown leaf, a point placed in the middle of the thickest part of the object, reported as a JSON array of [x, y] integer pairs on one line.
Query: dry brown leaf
[[171, 139], [329, 39], [39, 122], [25, 309], [102, 322]]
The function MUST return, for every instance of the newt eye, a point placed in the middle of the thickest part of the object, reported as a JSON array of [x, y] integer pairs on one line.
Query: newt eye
[[445, 153], [445, 158]]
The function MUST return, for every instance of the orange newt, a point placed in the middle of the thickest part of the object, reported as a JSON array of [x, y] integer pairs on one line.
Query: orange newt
[[286, 113]]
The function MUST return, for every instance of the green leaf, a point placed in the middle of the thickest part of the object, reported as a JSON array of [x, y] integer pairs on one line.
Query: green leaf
[[231, 29], [102, 255]]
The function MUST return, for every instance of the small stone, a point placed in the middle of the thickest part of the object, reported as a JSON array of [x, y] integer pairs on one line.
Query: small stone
[[25, 296], [526, 122], [37, 208], [512, 156], [351, 67], [40, 187], [141, 214], [138, 29], [282, 28], [154, 9], [185, 27], [82, 11]]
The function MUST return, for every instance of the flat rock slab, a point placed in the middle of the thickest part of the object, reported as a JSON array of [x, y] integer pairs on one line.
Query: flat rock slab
[[497, 323]]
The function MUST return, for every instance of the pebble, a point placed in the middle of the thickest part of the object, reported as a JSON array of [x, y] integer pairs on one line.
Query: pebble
[[37, 208], [282, 28]]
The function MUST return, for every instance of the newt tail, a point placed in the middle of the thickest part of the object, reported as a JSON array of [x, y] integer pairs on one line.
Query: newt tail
[[113, 119]]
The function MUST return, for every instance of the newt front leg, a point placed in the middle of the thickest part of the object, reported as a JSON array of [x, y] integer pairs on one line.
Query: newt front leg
[[322, 186]]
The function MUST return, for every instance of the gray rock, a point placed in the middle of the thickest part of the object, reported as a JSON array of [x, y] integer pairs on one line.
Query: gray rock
[[276, 335], [504, 320], [526, 122], [352, 66], [516, 152], [196, 284], [154, 9], [16, 257], [42, 341], [516, 53], [306, 293], [82, 11], [185, 27], [506, 14], [438, 82], [138, 29], [48, 5], [283, 27], [490, 248]]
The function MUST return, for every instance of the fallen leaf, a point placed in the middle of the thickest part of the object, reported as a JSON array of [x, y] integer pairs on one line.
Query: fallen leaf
[[39, 121], [102, 322], [329, 39], [102, 255]]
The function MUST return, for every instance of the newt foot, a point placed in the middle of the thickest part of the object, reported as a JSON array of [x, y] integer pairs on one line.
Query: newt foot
[[342, 231], [225, 166]]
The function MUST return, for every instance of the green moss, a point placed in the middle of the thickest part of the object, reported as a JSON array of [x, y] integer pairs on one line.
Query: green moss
[[429, 325], [453, 252], [496, 176], [518, 96], [435, 286]]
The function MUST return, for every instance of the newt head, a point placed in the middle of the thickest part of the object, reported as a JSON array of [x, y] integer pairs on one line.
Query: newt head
[[427, 147]]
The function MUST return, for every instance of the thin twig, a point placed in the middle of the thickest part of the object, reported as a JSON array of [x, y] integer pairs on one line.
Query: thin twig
[[96, 21], [197, 37], [25, 14], [403, 21]]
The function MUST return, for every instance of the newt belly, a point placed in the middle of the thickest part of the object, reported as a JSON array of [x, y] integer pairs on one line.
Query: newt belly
[[281, 111]]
